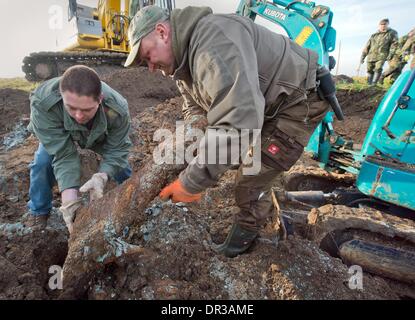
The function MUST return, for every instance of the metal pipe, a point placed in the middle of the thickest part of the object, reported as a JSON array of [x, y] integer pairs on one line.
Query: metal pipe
[[310, 197]]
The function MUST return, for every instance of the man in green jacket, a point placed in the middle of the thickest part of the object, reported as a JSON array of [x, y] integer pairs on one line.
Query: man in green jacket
[[380, 47], [246, 78], [75, 111]]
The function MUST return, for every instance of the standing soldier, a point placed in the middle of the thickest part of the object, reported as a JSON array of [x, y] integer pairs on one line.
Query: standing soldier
[[380, 47], [397, 63], [409, 48]]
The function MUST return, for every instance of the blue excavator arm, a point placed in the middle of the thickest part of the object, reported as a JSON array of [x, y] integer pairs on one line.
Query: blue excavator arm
[[304, 22]]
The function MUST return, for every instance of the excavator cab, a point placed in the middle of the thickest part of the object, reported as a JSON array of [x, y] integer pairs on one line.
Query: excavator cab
[[106, 27]]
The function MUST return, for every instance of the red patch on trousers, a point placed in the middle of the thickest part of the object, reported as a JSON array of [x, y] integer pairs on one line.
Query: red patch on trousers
[[273, 149]]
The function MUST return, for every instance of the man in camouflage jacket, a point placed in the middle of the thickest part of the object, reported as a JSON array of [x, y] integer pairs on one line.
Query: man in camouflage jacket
[[397, 63], [380, 48], [409, 48]]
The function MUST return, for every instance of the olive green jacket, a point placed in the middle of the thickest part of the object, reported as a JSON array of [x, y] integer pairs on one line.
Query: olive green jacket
[[59, 132], [381, 46], [234, 70]]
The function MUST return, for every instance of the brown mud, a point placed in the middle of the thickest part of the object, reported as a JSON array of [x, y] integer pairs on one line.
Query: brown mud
[[181, 264]]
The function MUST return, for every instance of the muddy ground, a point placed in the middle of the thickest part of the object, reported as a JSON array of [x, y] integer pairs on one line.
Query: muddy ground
[[182, 265]]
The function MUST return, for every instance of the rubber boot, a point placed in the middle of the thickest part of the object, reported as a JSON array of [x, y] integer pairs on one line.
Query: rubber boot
[[369, 78], [376, 78], [238, 241]]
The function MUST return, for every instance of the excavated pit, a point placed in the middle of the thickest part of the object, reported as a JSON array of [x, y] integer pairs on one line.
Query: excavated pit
[[181, 264]]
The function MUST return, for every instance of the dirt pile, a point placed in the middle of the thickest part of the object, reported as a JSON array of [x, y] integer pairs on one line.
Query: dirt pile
[[141, 88], [342, 78], [26, 258], [14, 106], [359, 107], [181, 264]]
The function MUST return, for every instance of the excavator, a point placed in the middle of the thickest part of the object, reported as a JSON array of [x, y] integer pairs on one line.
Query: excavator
[[100, 40], [359, 205]]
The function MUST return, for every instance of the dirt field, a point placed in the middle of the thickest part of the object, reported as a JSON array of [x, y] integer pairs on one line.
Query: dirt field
[[181, 264]]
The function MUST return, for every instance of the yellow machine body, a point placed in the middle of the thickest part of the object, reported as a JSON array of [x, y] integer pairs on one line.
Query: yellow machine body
[[103, 28]]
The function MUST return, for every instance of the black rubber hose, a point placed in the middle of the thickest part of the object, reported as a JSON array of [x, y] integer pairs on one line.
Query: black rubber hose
[[327, 91]]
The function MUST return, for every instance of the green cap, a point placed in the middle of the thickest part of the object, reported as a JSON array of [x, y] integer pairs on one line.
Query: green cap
[[384, 21], [141, 25]]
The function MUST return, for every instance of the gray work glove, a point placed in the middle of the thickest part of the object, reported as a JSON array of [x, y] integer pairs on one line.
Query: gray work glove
[[68, 210], [95, 186]]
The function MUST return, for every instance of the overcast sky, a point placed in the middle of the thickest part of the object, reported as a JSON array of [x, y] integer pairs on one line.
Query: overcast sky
[[26, 28]]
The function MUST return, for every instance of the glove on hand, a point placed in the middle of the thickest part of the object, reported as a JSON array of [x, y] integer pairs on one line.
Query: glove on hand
[[177, 193], [68, 211], [95, 186]]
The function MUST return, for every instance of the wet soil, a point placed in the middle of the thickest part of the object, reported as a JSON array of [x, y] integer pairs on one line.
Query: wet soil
[[182, 264]]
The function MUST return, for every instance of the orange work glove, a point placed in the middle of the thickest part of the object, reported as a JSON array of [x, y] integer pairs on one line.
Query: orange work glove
[[177, 193]]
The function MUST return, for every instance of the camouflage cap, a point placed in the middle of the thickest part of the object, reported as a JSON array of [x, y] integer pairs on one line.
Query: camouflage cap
[[141, 25]]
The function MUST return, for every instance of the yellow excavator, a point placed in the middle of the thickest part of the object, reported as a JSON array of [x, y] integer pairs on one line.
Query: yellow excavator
[[100, 41]]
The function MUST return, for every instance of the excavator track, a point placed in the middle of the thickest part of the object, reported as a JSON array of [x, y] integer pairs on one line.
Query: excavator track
[[41, 66]]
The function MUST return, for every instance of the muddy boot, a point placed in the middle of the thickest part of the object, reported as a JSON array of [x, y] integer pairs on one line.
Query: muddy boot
[[369, 78], [376, 78], [238, 241], [37, 222]]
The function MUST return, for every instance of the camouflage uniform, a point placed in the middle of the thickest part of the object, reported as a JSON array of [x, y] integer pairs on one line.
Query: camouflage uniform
[[397, 63], [409, 48], [380, 47]]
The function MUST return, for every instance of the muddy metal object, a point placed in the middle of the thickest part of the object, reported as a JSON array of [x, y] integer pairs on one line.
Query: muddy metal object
[[312, 178], [330, 218], [329, 225], [321, 223], [390, 262], [101, 229]]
